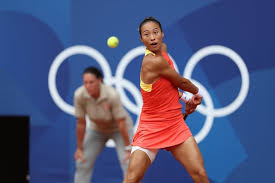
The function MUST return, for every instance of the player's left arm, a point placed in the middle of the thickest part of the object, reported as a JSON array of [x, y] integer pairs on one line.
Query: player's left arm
[[161, 67]]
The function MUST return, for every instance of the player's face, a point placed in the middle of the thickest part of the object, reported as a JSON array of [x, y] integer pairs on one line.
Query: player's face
[[151, 36], [92, 84]]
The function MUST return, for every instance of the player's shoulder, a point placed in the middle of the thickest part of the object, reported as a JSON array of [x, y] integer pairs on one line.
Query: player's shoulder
[[152, 63], [152, 59]]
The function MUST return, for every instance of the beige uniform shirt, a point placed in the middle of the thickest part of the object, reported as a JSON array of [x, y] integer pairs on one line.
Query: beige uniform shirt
[[103, 111]]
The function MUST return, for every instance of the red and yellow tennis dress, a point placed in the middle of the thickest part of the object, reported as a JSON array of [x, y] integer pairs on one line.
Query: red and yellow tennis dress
[[161, 124]]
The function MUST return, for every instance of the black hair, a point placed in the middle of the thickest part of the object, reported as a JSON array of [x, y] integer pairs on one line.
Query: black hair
[[149, 19], [93, 70]]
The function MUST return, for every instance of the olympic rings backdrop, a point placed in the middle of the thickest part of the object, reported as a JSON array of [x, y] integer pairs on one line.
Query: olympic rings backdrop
[[226, 47]]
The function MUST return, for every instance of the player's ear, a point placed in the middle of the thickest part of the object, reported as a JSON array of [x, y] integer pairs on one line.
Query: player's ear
[[101, 80], [162, 34], [140, 38]]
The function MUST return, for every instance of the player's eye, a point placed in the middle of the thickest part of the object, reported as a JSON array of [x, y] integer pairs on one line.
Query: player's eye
[[146, 34]]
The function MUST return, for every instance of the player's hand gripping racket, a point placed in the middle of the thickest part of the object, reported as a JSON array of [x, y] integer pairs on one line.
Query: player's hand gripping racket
[[193, 103]]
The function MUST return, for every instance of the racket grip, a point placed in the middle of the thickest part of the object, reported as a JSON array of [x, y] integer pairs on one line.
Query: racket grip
[[185, 116]]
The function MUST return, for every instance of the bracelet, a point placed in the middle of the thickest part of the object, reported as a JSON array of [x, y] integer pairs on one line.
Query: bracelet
[[128, 148]]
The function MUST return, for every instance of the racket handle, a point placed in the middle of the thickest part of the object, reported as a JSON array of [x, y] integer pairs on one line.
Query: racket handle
[[185, 116]]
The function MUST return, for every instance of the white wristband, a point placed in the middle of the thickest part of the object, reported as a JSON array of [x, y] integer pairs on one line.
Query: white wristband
[[185, 98], [128, 148], [199, 92]]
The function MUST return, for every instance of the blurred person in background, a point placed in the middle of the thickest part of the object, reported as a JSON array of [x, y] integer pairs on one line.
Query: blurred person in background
[[108, 120]]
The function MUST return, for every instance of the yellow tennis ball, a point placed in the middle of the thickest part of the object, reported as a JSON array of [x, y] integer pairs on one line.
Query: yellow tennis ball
[[112, 42]]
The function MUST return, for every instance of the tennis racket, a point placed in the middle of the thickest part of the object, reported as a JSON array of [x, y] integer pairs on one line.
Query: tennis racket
[[185, 115]]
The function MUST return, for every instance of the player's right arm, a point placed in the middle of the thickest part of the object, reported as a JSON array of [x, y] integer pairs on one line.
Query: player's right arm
[[161, 67]]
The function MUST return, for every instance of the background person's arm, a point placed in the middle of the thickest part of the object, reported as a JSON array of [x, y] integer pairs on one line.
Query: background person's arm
[[80, 134], [123, 130]]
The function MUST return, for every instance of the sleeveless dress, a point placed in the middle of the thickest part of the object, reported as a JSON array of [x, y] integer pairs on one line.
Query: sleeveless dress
[[161, 124]]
